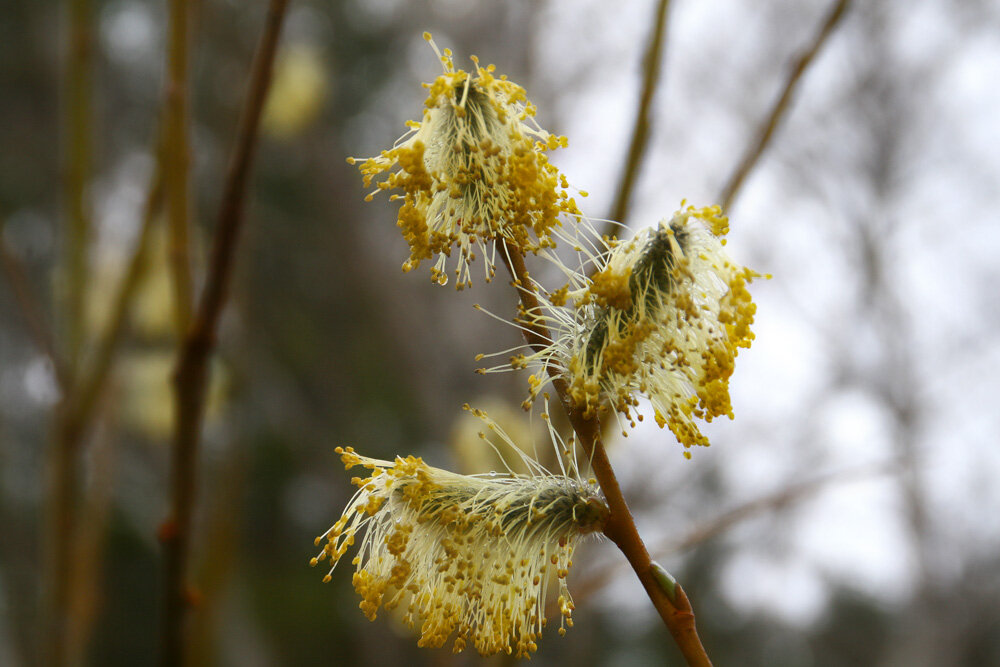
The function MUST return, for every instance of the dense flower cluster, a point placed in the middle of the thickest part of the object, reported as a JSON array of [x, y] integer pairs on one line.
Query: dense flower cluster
[[469, 556], [663, 316], [473, 171]]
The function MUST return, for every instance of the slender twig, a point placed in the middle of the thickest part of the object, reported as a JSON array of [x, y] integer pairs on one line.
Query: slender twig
[[784, 497], [221, 534], [75, 415], [773, 501], [88, 550], [61, 466], [177, 157], [78, 110], [60, 523], [191, 373], [770, 124], [91, 386], [620, 528], [640, 132], [31, 311]]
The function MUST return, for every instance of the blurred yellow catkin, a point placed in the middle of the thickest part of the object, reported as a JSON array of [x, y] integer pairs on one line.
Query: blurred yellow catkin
[[298, 92]]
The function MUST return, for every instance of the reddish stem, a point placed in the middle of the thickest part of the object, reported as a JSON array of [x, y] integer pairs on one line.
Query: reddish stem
[[191, 374], [620, 528]]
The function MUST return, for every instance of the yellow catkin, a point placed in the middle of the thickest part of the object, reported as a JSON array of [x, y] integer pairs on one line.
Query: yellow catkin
[[472, 171], [464, 556], [663, 317]]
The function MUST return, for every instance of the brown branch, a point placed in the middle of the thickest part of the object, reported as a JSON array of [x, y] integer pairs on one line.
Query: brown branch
[[221, 534], [75, 415], [767, 129], [31, 311], [86, 569], [177, 158], [61, 467], [63, 484], [620, 528], [191, 373], [773, 501], [78, 117], [640, 132], [91, 387], [706, 531]]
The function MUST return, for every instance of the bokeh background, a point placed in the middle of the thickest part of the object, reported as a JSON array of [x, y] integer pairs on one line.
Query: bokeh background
[[848, 516]]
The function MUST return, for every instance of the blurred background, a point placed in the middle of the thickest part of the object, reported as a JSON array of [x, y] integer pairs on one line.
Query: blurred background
[[848, 516]]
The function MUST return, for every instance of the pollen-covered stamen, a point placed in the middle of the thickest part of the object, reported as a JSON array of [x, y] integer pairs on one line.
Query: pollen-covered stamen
[[662, 316], [472, 171], [654, 276], [466, 556]]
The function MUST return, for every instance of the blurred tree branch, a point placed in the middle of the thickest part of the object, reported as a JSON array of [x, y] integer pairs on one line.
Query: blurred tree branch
[[640, 131], [87, 576], [177, 161], [72, 290], [789, 495], [31, 311], [78, 109], [92, 385], [766, 131], [75, 415], [190, 379]]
